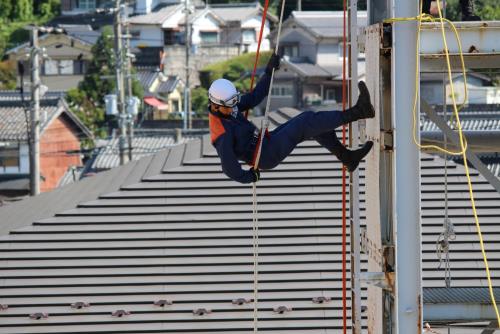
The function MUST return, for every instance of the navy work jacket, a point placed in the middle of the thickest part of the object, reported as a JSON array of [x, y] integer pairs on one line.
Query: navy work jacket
[[234, 137]]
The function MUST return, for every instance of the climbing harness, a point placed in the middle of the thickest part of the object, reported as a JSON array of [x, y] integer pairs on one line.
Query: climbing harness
[[261, 32], [255, 212], [463, 144]]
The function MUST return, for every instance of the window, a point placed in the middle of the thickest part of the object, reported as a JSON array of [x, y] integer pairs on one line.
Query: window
[[66, 67], [60, 67], [9, 155], [248, 36], [50, 67], [80, 66], [282, 90], [291, 50], [173, 36], [209, 37], [86, 4]]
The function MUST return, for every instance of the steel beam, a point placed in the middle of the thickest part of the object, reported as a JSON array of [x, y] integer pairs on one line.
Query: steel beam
[[453, 136], [479, 45], [406, 178]]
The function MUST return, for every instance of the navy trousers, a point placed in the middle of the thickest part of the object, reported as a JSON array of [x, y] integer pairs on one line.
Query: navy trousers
[[319, 126]]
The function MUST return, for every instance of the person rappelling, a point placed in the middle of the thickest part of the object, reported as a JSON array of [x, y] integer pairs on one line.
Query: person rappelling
[[236, 138]]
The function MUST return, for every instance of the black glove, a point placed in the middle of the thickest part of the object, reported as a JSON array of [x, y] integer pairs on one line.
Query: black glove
[[256, 174], [274, 62]]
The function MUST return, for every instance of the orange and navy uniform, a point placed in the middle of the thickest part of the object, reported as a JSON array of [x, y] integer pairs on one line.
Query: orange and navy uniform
[[234, 137]]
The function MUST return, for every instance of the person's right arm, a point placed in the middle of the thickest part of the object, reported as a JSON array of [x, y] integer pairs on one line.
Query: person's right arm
[[230, 164]]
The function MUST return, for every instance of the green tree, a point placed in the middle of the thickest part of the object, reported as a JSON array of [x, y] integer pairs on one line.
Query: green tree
[[87, 101], [8, 75], [199, 100], [487, 10], [5, 9], [22, 10]]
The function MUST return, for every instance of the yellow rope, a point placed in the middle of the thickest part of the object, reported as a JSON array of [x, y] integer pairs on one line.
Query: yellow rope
[[463, 144]]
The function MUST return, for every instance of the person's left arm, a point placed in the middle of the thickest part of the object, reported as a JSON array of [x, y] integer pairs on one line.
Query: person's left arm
[[261, 90]]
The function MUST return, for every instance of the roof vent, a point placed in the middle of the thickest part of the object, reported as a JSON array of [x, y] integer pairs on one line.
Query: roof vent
[[79, 305], [3, 307], [163, 302], [120, 313], [39, 315], [321, 300], [241, 301], [282, 309], [201, 311]]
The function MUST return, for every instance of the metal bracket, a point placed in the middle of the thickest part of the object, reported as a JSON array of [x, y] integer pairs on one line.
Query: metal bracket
[[119, 313], [379, 279], [321, 300], [241, 301], [79, 305], [202, 311], [282, 309], [39, 316], [163, 302]]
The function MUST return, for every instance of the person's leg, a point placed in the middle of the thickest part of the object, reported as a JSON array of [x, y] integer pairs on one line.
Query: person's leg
[[467, 7], [309, 125], [426, 6], [349, 158]]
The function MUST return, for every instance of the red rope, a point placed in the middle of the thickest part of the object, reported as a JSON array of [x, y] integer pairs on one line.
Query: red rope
[[262, 24], [344, 183]]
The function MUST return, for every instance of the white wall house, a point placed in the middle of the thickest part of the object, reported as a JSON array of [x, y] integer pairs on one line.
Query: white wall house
[[228, 25]]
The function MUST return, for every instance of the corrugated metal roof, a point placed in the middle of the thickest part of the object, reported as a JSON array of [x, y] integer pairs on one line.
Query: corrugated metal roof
[[177, 229], [143, 145], [327, 24], [459, 295]]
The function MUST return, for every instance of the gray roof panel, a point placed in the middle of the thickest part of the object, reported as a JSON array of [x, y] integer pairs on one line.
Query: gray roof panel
[[173, 227]]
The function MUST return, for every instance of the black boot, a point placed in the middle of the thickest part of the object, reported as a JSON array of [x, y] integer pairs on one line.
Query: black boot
[[351, 159], [363, 108], [467, 7]]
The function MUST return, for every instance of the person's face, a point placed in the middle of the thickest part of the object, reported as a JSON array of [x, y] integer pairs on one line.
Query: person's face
[[222, 109]]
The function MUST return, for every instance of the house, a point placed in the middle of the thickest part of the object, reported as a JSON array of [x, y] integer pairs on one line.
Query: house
[[61, 134], [79, 7], [67, 57], [162, 93], [311, 71], [480, 88], [164, 244], [218, 33]]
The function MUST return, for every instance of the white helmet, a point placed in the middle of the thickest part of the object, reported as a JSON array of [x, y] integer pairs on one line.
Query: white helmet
[[223, 92]]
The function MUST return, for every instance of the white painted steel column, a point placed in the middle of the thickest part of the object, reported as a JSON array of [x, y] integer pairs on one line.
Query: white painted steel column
[[354, 179], [406, 189]]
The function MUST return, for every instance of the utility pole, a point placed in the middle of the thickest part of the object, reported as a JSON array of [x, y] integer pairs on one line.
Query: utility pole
[[34, 137], [128, 74], [187, 111], [299, 5], [120, 93]]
